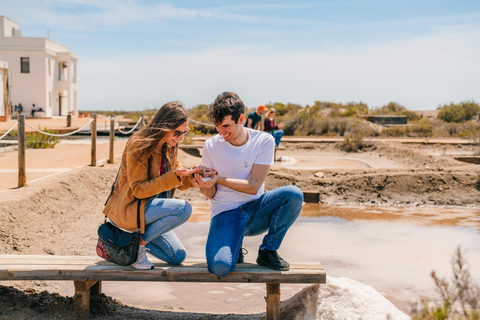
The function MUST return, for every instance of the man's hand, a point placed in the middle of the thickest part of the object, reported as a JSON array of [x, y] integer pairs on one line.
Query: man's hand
[[205, 171], [207, 185]]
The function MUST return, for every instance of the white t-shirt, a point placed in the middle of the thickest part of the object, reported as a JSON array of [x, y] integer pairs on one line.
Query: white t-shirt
[[236, 162]]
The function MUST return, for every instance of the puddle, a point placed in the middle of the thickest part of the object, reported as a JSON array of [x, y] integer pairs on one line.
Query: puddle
[[319, 162], [392, 249]]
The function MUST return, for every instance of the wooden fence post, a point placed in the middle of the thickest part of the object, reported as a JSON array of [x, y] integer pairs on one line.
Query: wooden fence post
[[112, 138], [93, 161], [142, 122], [69, 121], [22, 177]]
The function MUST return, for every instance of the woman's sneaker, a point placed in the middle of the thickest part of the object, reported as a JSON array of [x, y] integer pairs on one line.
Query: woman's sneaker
[[142, 262], [241, 255], [271, 259]]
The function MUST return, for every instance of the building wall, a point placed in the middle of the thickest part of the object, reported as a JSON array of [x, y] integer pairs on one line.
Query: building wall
[[41, 86], [2, 92], [27, 88]]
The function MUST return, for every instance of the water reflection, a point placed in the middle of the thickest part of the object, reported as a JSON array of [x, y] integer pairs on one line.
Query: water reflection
[[428, 216], [321, 162]]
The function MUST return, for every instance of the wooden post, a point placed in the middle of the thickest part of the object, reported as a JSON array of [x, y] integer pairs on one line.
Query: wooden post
[[142, 122], [112, 139], [273, 301], [93, 161], [69, 121], [83, 289], [22, 177]]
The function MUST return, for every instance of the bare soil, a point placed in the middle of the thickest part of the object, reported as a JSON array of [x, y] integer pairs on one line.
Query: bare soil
[[50, 215]]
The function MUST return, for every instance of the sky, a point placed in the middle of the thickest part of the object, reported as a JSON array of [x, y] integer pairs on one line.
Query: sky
[[140, 54]]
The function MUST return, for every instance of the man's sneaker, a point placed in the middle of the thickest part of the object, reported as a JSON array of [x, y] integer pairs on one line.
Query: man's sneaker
[[271, 259], [241, 255], [142, 262]]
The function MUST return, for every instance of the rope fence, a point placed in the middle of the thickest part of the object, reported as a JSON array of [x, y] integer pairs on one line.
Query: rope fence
[[59, 135], [5, 134], [135, 127], [22, 181], [202, 123]]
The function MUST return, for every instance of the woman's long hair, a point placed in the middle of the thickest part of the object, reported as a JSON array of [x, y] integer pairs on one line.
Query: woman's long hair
[[168, 117]]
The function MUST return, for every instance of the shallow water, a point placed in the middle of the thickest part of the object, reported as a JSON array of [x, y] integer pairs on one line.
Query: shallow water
[[321, 162], [392, 249]]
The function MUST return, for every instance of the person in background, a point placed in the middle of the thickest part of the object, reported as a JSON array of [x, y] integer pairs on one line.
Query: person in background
[[149, 174], [20, 108], [254, 119], [34, 109], [240, 159], [270, 127]]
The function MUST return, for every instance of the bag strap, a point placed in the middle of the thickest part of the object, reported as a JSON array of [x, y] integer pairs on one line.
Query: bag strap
[[139, 204], [113, 185]]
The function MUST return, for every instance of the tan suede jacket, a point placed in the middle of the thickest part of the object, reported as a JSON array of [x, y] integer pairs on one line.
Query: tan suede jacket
[[140, 179]]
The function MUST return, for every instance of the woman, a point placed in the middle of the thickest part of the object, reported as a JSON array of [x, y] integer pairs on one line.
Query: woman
[[270, 127], [148, 176]]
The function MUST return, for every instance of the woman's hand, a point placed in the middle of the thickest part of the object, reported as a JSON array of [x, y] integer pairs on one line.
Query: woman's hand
[[280, 125], [186, 172]]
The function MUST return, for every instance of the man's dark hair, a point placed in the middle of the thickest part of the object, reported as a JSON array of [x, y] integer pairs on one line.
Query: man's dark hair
[[226, 104]]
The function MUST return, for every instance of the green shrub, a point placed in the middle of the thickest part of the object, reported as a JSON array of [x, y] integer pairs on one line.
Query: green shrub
[[459, 298], [40, 141], [397, 131], [461, 112], [422, 128], [353, 142]]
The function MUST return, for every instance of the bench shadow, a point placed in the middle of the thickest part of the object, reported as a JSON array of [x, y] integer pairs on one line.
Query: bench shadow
[[17, 304]]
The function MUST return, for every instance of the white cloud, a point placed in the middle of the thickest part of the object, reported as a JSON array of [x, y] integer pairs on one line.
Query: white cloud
[[419, 73]]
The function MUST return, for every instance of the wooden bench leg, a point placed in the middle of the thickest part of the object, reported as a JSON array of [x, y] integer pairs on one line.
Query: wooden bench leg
[[83, 289], [273, 301]]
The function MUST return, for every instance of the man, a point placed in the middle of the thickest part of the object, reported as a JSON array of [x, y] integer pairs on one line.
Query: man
[[34, 109], [241, 158], [254, 119]]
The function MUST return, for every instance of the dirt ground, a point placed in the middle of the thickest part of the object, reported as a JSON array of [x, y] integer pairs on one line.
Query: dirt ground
[[47, 216]]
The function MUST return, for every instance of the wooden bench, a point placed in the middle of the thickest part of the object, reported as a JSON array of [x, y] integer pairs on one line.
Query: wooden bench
[[88, 272]]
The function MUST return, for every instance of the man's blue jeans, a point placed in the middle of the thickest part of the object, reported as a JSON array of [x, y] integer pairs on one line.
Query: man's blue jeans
[[274, 211], [161, 217]]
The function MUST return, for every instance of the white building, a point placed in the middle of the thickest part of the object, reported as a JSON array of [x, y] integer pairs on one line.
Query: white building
[[4, 111], [41, 71]]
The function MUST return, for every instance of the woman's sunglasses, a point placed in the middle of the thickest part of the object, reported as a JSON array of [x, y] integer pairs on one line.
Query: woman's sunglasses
[[180, 133]]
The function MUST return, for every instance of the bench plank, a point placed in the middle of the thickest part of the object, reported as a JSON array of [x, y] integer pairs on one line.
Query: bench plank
[[25, 267]]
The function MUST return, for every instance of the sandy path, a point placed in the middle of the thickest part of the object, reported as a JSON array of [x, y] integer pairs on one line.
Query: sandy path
[[40, 163]]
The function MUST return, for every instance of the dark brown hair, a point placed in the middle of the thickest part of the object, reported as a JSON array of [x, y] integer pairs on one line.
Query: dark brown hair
[[226, 104], [170, 116]]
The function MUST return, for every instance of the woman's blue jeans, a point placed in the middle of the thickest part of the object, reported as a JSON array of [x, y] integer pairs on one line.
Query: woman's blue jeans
[[161, 217], [277, 135], [275, 211]]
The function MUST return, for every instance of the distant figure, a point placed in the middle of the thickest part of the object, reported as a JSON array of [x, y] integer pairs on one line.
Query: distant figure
[[255, 117], [15, 111], [20, 108], [34, 109], [270, 127]]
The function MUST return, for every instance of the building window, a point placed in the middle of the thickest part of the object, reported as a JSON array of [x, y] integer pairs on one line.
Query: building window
[[25, 65], [62, 71]]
